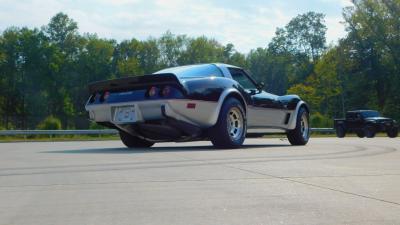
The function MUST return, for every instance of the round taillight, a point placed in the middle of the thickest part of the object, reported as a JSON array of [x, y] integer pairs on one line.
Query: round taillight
[[152, 91], [166, 91], [106, 95]]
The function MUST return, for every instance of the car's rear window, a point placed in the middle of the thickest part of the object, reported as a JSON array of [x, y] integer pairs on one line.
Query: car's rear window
[[203, 70]]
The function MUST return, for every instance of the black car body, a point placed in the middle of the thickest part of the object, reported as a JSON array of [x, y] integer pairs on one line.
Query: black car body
[[219, 102], [365, 123]]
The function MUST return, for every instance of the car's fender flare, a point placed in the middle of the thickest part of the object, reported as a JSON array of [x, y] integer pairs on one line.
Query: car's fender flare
[[224, 95], [293, 118]]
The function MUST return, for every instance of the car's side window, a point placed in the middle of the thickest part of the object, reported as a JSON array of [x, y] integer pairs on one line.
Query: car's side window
[[241, 77], [350, 116]]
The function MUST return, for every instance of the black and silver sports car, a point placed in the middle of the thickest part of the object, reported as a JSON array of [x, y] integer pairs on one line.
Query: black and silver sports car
[[216, 102]]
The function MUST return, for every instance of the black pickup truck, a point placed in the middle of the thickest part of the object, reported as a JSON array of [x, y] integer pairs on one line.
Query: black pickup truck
[[365, 123]]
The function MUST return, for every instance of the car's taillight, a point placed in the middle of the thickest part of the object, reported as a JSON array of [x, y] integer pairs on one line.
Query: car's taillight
[[104, 96], [166, 91], [152, 92]]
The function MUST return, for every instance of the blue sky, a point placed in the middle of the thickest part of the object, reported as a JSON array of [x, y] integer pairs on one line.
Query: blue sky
[[246, 24]]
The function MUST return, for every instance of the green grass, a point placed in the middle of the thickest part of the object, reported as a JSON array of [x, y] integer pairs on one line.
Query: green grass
[[39, 138]]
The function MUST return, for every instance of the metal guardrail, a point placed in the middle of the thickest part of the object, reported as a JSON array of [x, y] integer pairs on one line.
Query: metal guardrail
[[323, 130], [56, 132], [97, 132]]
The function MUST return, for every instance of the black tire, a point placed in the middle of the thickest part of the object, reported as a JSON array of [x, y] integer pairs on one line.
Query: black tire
[[369, 131], [340, 131], [360, 133], [393, 132], [134, 142], [220, 134], [301, 134]]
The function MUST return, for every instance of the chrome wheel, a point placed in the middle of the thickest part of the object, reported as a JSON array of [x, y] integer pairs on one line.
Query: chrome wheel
[[235, 123], [304, 128]]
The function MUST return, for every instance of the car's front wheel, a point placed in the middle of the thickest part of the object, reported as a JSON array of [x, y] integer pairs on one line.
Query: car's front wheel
[[134, 142], [230, 129], [393, 132], [301, 134]]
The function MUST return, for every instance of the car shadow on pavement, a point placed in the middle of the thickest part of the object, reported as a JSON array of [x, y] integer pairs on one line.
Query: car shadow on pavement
[[158, 149]]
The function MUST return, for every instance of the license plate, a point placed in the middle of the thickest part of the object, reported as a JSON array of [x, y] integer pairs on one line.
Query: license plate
[[125, 114]]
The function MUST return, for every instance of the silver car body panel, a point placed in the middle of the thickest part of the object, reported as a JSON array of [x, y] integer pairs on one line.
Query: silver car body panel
[[262, 120], [151, 110], [204, 115]]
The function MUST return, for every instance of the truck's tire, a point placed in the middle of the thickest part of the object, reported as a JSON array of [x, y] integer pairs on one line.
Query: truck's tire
[[134, 142], [369, 131], [340, 131], [230, 129], [360, 133], [393, 132], [301, 134]]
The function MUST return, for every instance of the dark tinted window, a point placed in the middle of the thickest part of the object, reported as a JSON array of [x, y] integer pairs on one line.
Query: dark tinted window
[[241, 77], [204, 70], [367, 114], [350, 115]]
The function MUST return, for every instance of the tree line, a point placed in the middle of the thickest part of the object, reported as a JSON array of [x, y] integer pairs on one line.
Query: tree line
[[44, 71]]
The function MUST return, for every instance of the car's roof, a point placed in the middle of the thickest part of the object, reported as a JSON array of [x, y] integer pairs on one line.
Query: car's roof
[[222, 67], [199, 64], [225, 65]]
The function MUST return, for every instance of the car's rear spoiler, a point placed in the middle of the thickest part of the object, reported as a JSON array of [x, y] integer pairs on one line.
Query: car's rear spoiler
[[128, 83]]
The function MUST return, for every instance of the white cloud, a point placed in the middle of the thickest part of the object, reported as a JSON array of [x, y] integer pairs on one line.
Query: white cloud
[[119, 2], [342, 3], [27, 13], [247, 26], [345, 3], [336, 29]]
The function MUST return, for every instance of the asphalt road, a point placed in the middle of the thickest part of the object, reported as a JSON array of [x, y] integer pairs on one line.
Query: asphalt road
[[329, 181]]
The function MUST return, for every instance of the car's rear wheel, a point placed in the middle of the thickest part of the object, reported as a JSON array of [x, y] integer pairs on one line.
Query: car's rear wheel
[[340, 131], [134, 142], [230, 129], [360, 134], [393, 132], [369, 131], [301, 134]]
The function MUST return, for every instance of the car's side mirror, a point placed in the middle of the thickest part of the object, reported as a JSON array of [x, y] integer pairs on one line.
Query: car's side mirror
[[253, 92], [260, 86]]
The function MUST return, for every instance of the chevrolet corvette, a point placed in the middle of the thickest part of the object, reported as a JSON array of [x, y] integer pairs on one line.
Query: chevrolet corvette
[[217, 102]]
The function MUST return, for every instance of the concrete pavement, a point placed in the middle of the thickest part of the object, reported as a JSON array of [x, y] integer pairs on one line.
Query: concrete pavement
[[329, 181]]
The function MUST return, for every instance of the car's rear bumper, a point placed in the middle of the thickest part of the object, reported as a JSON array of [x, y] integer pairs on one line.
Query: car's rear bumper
[[195, 112]]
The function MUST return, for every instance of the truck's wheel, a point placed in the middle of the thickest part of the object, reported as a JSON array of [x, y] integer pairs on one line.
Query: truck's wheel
[[340, 131], [393, 132], [134, 142], [369, 131], [301, 134], [230, 129], [360, 133]]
